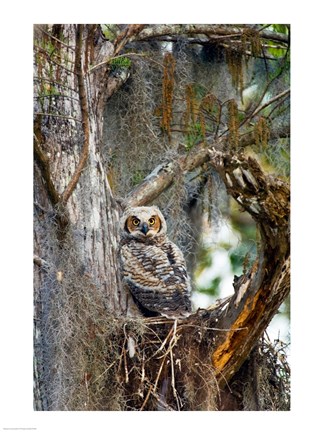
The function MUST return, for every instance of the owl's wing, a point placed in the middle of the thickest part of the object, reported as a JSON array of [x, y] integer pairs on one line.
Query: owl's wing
[[157, 277]]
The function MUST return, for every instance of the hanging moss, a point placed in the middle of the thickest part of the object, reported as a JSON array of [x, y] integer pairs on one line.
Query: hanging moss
[[261, 133], [251, 41], [233, 124], [189, 105], [234, 60], [167, 93]]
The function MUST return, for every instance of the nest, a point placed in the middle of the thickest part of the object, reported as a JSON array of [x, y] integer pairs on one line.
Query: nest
[[99, 361]]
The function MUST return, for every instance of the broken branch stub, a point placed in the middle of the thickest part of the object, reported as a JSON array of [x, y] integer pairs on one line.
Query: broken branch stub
[[260, 292]]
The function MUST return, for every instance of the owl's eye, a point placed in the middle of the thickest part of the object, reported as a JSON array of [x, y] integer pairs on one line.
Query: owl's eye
[[151, 221], [135, 221]]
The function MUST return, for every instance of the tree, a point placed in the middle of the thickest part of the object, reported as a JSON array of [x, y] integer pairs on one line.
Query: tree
[[128, 115]]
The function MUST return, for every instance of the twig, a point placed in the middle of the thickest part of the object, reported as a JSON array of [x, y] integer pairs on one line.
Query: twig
[[104, 372], [125, 366], [174, 340], [57, 115], [51, 59], [40, 79], [143, 368], [276, 107], [109, 60], [284, 94], [159, 373], [164, 342], [56, 39], [146, 398], [162, 402], [214, 328], [56, 96]]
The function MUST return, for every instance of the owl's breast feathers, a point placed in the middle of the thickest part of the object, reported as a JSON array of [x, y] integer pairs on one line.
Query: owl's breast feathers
[[155, 273]]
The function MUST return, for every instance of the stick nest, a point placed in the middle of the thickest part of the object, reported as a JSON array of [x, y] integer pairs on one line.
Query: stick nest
[[100, 361]]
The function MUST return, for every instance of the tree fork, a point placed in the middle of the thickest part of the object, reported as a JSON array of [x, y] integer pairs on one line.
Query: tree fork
[[61, 215]]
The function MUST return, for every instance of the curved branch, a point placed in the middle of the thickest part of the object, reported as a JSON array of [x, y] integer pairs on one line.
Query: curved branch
[[85, 117], [260, 292], [43, 164]]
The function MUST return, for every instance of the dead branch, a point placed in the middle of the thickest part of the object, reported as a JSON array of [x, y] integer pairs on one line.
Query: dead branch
[[260, 292]]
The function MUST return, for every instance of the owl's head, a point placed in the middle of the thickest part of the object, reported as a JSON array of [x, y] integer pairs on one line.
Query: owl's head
[[143, 223]]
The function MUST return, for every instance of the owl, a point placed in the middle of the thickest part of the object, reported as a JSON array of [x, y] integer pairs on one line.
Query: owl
[[152, 267]]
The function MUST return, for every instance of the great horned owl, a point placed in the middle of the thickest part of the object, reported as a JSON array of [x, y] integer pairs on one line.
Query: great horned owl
[[152, 266]]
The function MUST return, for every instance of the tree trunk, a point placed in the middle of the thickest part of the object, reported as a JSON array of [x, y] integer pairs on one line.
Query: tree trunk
[[76, 216]]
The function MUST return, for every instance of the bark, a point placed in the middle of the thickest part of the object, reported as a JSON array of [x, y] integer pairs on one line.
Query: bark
[[211, 30], [74, 206], [260, 292]]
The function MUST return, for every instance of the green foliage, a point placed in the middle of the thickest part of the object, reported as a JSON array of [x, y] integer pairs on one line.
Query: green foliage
[[137, 177], [278, 50], [194, 135], [205, 261], [242, 256], [213, 287], [280, 28], [120, 62], [201, 116]]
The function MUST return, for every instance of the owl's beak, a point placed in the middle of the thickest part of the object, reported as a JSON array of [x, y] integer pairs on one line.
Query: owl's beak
[[144, 228]]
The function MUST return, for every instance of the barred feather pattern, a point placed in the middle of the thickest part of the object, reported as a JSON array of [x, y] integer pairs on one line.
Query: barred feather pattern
[[154, 270]]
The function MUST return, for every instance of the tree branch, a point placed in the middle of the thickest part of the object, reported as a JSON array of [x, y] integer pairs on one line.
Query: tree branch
[[163, 176], [110, 59], [130, 32], [85, 117], [283, 94], [43, 163], [207, 29], [260, 292]]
